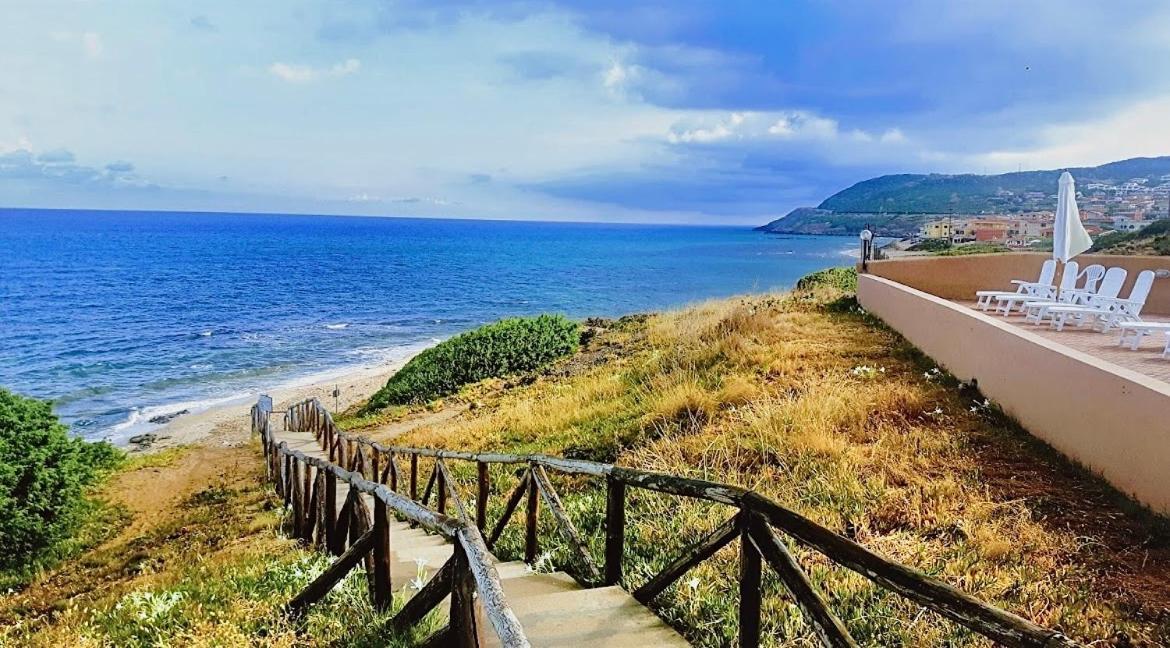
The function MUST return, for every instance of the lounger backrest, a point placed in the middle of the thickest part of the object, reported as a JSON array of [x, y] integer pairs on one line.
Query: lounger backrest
[[1068, 280], [1047, 273], [1141, 286], [1111, 284], [1092, 275]]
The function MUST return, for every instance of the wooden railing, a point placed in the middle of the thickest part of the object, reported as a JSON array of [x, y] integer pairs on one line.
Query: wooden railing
[[309, 487], [755, 522]]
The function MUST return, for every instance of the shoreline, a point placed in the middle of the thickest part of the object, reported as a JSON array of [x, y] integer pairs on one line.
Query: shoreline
[[228, 424]]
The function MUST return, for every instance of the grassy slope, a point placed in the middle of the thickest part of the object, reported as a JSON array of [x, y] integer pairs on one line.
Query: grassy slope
[[813, 403], [202, 562], [766, 392]]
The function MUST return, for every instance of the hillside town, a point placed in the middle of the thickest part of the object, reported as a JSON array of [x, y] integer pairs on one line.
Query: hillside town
[[1105, 207]]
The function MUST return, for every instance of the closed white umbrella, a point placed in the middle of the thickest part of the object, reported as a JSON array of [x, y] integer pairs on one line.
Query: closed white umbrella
[[1069, 237]]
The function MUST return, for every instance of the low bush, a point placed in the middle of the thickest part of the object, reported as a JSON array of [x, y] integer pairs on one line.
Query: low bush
[[844, 279], [44, 473], [930, 245], [979, 247], [499, 349]]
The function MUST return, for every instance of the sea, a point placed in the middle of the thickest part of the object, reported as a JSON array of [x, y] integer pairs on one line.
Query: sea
[[120, 317]]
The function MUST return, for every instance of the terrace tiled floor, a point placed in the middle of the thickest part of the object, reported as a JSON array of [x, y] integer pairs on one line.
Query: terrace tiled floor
[[1147, 359]]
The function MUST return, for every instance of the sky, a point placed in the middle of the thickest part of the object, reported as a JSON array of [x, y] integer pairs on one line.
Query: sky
[[722, 112]]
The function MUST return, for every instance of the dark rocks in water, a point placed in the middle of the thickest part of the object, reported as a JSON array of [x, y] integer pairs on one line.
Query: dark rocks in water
[[163, 419]]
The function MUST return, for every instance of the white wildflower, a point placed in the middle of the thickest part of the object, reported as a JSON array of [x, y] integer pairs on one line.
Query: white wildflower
[[693, 584], [417, 583]]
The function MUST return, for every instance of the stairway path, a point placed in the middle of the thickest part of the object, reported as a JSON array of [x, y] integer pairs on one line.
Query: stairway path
[[553, 608]]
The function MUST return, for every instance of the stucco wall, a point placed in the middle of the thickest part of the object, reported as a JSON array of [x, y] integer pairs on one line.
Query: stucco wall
[[958, 277], [1110, 419]]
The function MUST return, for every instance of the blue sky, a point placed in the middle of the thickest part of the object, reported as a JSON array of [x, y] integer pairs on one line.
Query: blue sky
[[711, 112]]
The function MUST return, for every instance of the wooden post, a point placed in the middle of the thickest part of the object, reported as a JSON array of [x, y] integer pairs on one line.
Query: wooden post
[[414, 476], [615, 530], [376, 461], [749, 586], [441, 479], [463, 632], [383, 588], [330, 509], [481, 496], [392, 466], [306, 511], [288, 480], [295, 502], [827, 626], [319, 510], [530, 544]]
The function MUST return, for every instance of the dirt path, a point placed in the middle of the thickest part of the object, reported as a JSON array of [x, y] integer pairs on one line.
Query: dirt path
[[390, 431]]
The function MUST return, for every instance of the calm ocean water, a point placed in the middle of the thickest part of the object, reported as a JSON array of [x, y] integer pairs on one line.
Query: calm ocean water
[[120, 316]]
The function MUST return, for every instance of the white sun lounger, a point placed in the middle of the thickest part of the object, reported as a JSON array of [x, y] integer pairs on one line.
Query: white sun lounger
[[1068, 282], [1034, 311], [1107, 311], [1132, 333], [1038, 311], [1042, 285], [1166, 351]]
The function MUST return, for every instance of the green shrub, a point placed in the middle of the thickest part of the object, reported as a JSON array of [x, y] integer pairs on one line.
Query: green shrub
[[505, 347], [843, 279], [43, 476], [930, 245], [980, 247]]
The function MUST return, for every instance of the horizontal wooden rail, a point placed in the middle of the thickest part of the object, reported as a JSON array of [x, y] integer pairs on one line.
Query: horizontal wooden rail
[[756, 516], [475, 568]]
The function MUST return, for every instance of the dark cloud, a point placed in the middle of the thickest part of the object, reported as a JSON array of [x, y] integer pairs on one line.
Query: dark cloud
[[752, 188], [544, 65], [203, 24], [58, 167], [58, 156]]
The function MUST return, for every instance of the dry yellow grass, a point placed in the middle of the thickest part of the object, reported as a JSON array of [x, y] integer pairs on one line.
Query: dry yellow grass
[[799, 397], [810, 402]]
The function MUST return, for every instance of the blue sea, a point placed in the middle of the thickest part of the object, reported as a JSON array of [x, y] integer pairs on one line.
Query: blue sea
[[121, 316]]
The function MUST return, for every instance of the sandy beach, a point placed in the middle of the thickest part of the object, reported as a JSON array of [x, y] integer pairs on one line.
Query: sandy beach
[[228, 424]]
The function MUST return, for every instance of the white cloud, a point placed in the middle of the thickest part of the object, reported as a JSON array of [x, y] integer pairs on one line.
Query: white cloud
[[293, 73], [1139, 130], [791, 125]]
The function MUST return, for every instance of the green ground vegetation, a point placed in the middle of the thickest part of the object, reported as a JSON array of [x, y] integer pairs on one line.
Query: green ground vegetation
[[506, 347], [1154, 239], [45, 478], [810, 401]]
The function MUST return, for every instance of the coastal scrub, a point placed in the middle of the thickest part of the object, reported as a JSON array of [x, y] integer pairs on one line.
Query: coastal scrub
[[44, 475], [506, 347]]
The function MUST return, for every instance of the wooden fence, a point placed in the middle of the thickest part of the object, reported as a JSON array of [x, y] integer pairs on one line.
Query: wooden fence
[[755, 521]]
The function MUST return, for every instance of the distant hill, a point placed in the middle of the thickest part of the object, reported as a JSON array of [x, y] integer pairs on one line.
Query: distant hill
[[896, 205]]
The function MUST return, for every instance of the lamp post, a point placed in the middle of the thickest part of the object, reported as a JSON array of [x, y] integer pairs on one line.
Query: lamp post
[[866, 248]]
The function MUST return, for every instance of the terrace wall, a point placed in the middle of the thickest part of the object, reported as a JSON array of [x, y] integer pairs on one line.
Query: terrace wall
[[958, 277], [1112, 420]]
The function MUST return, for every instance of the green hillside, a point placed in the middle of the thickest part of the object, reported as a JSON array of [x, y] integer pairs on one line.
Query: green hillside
[[897, 204]]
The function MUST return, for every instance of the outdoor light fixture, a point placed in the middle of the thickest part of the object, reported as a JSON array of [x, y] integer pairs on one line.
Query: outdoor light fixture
[[866, 248]]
